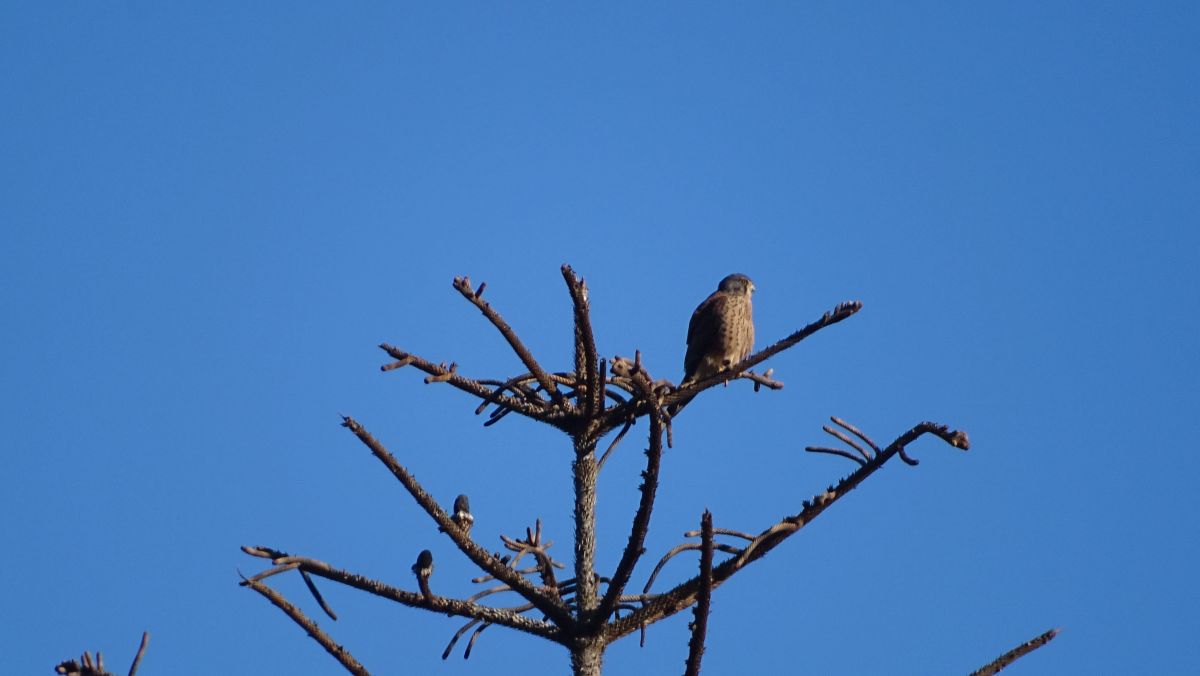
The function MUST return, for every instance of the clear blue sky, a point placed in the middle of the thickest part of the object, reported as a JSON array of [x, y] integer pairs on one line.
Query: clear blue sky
[[211, 214]]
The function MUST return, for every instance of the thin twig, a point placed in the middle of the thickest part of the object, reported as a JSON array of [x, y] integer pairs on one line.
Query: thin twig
[[463, 285], [510, 384], [498, 589], [312, 588], [848, 441], [720, 531], [855, 431], [613, 445], [471, 643], [762, 380], [457, 635], [137, 659], [835, 451], [281, 568], [672, 553]]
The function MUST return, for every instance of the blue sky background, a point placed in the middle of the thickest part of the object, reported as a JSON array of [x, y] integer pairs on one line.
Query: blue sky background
[[211, 215]]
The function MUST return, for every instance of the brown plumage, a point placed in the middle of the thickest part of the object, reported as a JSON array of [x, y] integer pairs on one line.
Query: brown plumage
[[721, 332]]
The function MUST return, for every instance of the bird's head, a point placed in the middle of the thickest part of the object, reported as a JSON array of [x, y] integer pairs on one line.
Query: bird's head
[[737, 283]]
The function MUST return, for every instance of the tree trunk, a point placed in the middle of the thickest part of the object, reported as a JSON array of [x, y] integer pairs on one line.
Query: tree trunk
[[585, 471], [586, 656]]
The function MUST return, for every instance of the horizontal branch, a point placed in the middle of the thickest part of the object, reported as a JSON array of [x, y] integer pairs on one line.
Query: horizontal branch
[[684, 594], [433, 602], [842, 311], [440, 373]]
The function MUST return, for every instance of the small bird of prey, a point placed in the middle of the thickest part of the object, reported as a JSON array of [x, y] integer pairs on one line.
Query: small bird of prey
[[462, 513], [423, 569], [721, 332]]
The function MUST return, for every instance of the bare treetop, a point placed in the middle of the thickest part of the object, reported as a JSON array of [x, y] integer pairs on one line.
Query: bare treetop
[[589, 609]]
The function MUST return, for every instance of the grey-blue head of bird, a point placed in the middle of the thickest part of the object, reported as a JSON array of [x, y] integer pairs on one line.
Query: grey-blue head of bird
[[737, 283]]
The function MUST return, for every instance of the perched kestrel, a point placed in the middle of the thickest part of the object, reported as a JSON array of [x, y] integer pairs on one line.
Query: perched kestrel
[[721, 332]]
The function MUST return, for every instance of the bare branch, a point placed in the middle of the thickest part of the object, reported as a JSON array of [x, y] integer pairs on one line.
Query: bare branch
[[498, 589], [137, 659], [721, 531], [471, 643], [1016, 653], [339, 653], [457, 635], [762, 380], [262, 552], [616, 440], [835, 451], [679, 549], [535, 545], [700, 623], [283, 566], [312, 589], [641, 521], [848, 441], [855, 431], [552, 607], [684, 594], [512, 385], [590, 388], [683, 394], [434, 603], [443, 373], [463, 285]]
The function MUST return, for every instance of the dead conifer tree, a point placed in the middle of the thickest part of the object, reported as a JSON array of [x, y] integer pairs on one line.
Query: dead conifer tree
[[589, 609]]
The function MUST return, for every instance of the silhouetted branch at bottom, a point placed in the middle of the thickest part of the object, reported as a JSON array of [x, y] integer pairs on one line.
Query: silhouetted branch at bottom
[[87, 666]]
